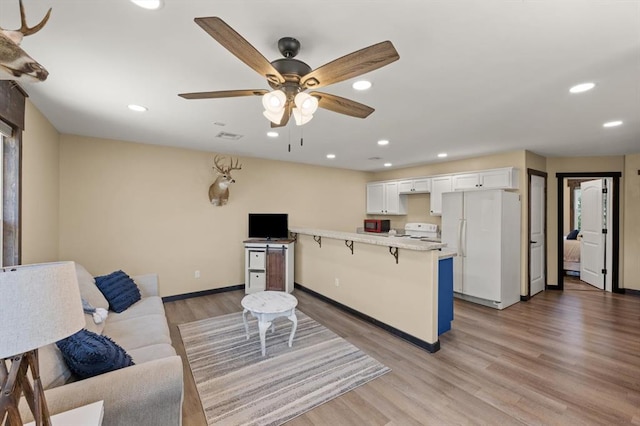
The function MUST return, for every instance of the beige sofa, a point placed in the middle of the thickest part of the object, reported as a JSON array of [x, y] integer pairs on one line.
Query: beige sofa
[[147, 393]]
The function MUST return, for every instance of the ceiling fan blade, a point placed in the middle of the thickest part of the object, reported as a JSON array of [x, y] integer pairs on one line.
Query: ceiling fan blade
[[342, 105], [223, 94], [241, 48], [351, 65]]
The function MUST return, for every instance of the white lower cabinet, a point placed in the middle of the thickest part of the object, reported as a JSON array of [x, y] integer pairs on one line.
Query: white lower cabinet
[[268, 265]]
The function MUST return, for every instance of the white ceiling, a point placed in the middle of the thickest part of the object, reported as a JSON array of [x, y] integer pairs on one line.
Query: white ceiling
[[473, 78]]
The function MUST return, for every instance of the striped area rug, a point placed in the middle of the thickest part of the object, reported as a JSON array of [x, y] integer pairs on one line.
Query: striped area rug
[[238, 386]]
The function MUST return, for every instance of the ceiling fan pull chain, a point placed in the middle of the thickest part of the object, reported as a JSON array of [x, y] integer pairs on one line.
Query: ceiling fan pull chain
[[289, 147]]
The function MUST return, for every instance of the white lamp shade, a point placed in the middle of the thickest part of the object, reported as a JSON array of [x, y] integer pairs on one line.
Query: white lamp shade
[[306, 103], [274, 101], [275, 117], [39, 304], [300, 117]]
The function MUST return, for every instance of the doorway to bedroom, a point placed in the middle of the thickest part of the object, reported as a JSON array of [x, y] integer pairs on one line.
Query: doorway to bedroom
[[588, 231]]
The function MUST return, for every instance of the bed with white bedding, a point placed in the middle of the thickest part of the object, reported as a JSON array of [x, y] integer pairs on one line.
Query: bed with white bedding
[[571, 255]]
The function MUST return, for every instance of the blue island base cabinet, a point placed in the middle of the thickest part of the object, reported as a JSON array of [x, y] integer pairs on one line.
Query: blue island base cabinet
[[445, 294]]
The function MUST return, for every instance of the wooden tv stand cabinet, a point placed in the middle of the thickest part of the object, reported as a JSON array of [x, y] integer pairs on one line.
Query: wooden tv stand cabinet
[[268, 265]]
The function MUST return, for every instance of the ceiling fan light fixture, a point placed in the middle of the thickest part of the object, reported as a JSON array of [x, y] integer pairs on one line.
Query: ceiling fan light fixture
[[274, 101], [300, 117], [306, 103], [274, 117]]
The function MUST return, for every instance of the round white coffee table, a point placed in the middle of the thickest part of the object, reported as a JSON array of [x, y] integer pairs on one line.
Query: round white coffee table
[[266, 306]]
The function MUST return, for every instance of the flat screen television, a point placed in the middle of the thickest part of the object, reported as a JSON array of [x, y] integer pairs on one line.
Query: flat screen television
[[268, 226]]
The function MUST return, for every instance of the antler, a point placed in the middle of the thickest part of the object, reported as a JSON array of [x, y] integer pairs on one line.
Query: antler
[[225, 170], [24, 28]]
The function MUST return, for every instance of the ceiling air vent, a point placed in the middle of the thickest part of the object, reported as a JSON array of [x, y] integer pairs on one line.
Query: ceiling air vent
[[375, 158], [229, 136]]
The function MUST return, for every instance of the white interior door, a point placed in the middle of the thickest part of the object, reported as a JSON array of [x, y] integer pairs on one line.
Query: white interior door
[[537, 267], [592, 243]]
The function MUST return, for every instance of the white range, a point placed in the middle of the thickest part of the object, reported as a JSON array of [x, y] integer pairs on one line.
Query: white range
[[422, 231]]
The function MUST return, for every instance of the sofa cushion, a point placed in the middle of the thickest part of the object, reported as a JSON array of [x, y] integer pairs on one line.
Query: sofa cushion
[[53, 370], [152, 352], [139, 332], [88, 354], [146, 306], [90, 324], [119, 289], [88, 289]]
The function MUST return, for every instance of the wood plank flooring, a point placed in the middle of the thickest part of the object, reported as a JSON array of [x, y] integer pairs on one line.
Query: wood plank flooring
[[562, 358]]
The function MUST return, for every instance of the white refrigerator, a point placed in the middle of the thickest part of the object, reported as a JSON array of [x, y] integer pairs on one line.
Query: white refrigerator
[[483, 227]]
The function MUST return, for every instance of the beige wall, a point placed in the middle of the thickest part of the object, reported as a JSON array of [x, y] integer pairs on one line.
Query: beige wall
[[40, 188], [145, 208], [631, 244], [570, 165]]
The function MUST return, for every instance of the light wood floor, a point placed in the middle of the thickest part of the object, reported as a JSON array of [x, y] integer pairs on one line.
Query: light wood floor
[[562, 358], [575, 283]]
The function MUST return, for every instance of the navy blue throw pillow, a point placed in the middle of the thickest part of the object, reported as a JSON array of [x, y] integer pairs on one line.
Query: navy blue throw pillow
[[573, 235], [119, 290], [88, 354]]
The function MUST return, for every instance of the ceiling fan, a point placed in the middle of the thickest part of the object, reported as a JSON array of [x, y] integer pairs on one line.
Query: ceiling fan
[[290, 78]]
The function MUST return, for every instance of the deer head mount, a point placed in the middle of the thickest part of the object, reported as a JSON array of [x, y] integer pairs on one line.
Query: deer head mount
[[15, 64], [219, 190]]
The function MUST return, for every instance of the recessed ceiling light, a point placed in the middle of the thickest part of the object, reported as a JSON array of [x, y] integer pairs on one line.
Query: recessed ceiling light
[[612, 123], [148, 4], [137, 108], [442, 155], [331, 156], [582, 87], [272, 134], [361, 85], [388, 164], [383, 142]]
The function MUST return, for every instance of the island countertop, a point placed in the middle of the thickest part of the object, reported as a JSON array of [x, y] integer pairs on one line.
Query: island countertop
[[386, 241]]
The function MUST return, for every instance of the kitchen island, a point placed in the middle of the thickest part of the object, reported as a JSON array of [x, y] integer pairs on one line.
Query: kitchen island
[[390, 281]]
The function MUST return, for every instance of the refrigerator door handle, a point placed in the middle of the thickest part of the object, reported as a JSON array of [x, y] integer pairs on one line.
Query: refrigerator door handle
[[463, 243], [460, 248]]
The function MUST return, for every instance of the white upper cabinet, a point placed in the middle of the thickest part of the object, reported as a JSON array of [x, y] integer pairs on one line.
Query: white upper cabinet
[[439, 185], [414, 186], [390, 197], [385, 198], [505, 178]]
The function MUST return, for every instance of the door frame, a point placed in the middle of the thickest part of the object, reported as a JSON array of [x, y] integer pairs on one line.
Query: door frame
[[531, 172], [615, 221]]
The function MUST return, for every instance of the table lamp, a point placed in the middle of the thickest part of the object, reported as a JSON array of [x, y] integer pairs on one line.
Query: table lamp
[[39, 304]]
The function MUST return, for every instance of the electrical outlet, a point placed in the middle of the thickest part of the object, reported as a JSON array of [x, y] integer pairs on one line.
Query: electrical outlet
[[196, 274], [337, 282]]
